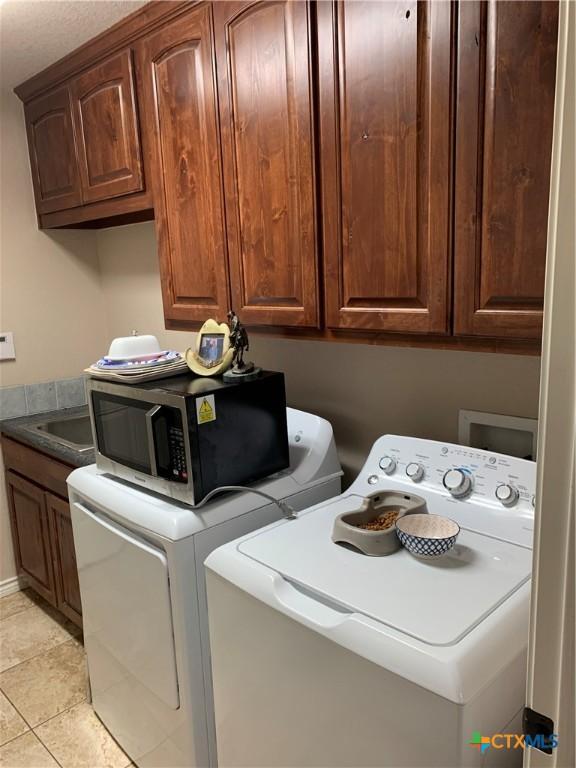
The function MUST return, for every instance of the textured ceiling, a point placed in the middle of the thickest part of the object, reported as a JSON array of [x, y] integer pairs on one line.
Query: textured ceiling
[[36, 33]]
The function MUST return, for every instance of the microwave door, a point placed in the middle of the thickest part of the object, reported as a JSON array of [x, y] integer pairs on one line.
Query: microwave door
[[122, 430]]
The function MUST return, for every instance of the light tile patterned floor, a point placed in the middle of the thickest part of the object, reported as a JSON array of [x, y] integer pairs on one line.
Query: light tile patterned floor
[[45, 720]]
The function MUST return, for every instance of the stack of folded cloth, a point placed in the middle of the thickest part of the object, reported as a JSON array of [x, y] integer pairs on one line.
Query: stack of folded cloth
[[139, 368]]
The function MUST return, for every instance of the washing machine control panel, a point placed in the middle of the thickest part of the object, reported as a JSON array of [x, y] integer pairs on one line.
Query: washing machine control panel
[[468, 484], [455, 470]]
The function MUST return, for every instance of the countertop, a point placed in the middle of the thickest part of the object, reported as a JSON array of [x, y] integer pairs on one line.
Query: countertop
[[17, 429]]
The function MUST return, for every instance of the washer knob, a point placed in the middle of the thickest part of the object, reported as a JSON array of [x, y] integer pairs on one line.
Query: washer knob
[[388, 465], [457, 482], [506, 494], [415, 471]]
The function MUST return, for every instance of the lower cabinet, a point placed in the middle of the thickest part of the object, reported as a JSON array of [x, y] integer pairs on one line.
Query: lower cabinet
[[64, 558], [31, 534], [44, 544]]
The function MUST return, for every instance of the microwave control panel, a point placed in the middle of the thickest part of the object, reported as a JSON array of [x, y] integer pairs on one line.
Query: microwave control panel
[[178, 466]]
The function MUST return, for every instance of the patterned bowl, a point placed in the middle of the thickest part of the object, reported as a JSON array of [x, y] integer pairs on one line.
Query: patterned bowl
[[427, 535]]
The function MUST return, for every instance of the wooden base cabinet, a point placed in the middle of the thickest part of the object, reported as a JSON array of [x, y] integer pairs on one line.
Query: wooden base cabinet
[[42, 527], [64, 558], [31, 534]]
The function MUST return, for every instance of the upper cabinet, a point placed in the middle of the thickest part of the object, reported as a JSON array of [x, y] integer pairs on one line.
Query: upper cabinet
[[344, 169], [107, 129], [53, 158], [505, 112], [179, 98], [85, 153], [264, 69], [385, 140]]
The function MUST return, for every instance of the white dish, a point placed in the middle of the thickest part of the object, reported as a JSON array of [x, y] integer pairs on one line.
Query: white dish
[[133, 348]]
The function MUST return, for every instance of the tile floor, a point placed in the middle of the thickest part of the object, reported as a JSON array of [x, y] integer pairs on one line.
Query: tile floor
[[45, 719]]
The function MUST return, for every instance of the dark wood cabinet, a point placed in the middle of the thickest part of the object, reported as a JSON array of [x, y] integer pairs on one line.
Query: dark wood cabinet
[[384, 90], [31, 534], [263, 61], [85, 154], [505, 112], [41, 526], [179, 97], [106, 121], [64, 558], [344, 170], [53, 158]]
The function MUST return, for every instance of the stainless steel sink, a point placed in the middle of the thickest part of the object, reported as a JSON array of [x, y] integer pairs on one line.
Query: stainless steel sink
[[73, 431]]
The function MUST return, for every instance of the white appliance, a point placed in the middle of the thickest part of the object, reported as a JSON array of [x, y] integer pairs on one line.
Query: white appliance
[[323, 656], [140, 561]]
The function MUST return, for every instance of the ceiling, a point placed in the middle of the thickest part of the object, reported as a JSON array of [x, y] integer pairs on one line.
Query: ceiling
[[36, 33]]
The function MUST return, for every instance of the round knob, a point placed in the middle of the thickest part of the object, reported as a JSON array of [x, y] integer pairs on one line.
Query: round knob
[[388, 464], [415, 471], [457, 482], [507, 494]]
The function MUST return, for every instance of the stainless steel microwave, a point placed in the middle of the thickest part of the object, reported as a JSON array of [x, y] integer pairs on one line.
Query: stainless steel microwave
[[185, 436]]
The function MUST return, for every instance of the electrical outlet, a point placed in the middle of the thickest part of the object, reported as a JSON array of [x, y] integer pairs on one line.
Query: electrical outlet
[[7, 351]]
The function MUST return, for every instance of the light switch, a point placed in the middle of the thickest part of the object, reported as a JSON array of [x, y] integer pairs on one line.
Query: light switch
[[7, 351]]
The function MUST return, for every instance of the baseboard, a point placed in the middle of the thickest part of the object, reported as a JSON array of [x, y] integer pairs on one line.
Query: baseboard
[[9, 586]]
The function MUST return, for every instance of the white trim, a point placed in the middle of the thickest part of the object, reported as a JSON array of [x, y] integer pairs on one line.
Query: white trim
[[550, 683], [9, 586]]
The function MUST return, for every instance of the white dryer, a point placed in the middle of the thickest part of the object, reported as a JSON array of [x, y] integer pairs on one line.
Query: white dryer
[[140, 561], [323, 656]]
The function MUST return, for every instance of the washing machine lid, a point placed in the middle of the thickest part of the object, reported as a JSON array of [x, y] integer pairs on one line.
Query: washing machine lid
[[435, 601]]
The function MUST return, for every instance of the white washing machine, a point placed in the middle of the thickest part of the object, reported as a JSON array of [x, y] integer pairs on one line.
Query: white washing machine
[[140, 561], [322, 656]]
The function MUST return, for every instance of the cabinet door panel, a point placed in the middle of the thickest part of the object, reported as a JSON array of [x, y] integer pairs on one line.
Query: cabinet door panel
[[107, 129], [31, 534], [176, 68], [264, 75], [506, 77], [64, 558], [384, 70], [53, 157]]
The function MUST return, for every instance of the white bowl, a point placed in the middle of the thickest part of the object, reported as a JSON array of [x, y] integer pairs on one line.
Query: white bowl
[[133, 347], [427, 535]]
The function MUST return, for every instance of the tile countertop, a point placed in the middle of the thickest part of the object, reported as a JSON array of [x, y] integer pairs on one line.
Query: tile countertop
[[18, 430]]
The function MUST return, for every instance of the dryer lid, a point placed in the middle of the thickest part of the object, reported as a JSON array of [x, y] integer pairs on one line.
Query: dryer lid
[[435, 601]]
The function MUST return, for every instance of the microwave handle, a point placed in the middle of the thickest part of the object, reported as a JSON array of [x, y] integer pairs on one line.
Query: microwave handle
[[151, 442]]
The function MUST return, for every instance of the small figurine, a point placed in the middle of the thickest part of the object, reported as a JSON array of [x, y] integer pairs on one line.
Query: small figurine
[[239, 343]]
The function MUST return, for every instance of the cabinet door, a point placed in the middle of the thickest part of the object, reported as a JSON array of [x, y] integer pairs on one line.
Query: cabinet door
[[384, 90], [505, 112], [64, 558], [31, 534], [53, 157], [107, 129], [177, 75], [264, 77]]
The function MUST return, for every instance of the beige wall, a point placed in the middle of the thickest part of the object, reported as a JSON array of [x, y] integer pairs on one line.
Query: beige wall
[[363, 390], [50, 294]]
